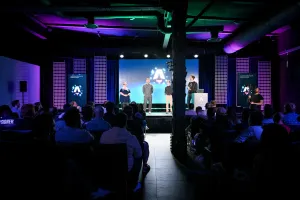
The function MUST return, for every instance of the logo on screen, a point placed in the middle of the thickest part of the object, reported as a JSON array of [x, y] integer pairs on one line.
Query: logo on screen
[[245, 89], [158, 75], [76, 90]]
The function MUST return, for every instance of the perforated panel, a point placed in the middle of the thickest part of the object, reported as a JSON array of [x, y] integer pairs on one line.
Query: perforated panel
[[79, 66], [264, 80], [221, 75], [242, 65], [59, 84], [100, 79]]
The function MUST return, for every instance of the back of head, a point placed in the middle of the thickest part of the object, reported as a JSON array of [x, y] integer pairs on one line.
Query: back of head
[[14, 103], [191, 106], [37, 106], [277, 117], [72, 118], [120, 120], [5, 111], [207, 105], [28, 111], [135, 108], [255, 118], [268, 111], [87, 113], [99, 112], [213, 103], [66, 107], [128, 111], [110, 107], [91, 103], [290, 108], [274, 136], [210, 112], [198, 109]]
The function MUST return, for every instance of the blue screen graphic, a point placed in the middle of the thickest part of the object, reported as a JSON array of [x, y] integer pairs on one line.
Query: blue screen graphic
[[135, 72], [77, 88]]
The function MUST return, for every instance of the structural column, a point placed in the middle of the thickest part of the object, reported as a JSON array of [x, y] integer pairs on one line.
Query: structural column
[[178, 139]]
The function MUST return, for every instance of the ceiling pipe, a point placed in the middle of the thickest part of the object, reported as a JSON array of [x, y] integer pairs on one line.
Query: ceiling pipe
[[252, 33]]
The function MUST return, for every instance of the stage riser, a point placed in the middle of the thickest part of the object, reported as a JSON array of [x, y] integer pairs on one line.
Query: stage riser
[[159, 124]]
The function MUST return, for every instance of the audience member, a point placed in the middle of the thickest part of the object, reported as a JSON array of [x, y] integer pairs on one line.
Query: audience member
[[110, 113], [27, 121], [16, 107], [38, 108], [231, 116], [277, 118], [87, 114], [60, 122], [118, 134], [268, 114], [98, 123], [72, 132], [290, 115]]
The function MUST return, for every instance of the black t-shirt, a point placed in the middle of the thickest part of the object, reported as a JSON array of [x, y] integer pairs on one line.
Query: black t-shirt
[[256, 98], [193, 86], [168, 90]]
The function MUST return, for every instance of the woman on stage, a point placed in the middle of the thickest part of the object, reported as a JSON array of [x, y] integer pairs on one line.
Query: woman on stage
[[124, 95]]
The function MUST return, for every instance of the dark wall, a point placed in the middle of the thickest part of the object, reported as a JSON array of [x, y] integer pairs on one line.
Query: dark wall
[[289, 68]]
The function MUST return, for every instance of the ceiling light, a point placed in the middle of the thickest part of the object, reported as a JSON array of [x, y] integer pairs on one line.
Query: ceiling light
[[91, 23], [132, 19], [146, 55], [196, 56], [121, 56], [168, 56]]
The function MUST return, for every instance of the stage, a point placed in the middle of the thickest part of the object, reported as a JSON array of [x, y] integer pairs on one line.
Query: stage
[[159, 114]]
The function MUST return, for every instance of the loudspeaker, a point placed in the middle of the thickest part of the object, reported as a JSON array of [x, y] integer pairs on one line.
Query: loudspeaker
[[23, 86]]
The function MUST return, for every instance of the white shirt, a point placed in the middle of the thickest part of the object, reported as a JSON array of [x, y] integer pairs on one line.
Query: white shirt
[[73, 135], [118, 135]]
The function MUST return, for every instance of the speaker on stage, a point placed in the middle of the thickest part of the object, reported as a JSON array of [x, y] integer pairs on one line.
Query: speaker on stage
[[23, 86]]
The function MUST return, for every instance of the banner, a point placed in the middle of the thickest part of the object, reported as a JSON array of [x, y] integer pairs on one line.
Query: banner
[[245, 88], [77, 90]]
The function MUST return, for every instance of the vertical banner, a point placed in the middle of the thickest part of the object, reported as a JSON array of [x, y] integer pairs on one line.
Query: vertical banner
[[77, 89], [246, 85]]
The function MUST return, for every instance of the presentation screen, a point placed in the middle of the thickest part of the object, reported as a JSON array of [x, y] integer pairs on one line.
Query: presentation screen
[[135, 72], [77, 88], [245, 88]]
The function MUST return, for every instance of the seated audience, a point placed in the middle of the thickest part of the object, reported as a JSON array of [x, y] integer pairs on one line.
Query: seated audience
[[38, 108], [27, 120], [72, 132], [98, 123], [268, 114], [277, 118], [290, 115], [44, 128], [254, 130], [87, 115], [60, 122], [231, 116], [15, 107], [118, 134], [75, 105], [110, 112]]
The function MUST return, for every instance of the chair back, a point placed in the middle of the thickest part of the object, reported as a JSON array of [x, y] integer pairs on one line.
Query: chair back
[[110, 166]]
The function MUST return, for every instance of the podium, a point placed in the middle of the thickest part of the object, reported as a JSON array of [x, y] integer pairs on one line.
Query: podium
[[200, 99]]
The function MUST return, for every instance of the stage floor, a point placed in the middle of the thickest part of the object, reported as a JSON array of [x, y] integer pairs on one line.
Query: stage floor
[[158, 114]]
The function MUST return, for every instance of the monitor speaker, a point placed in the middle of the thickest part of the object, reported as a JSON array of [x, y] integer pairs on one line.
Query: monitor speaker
[[23, 86]]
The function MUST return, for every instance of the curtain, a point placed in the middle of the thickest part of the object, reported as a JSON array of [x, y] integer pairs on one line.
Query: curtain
[[112, 80], [207, 75], [231, 83]]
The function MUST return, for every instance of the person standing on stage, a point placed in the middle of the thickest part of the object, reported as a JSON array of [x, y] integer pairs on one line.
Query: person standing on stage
[[124, 95], [169, 99], [192, 88], [256, 99], [147, 91]]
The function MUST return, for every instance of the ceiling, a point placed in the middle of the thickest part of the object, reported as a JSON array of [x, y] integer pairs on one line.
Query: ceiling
[[143, 22]]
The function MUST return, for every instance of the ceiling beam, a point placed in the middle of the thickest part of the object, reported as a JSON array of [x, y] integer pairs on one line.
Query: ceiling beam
[[166, 40]]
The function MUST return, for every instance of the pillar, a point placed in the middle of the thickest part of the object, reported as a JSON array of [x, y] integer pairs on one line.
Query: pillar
[[178, 139]]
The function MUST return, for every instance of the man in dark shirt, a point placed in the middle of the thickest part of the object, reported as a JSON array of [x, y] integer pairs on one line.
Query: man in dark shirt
[[192, 88], [256, 99], [169, 99], [147, 91]]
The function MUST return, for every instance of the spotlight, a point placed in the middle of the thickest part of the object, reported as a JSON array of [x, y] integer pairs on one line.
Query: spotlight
[[168, 56], [146, 55], [121, 56], [196, 56]]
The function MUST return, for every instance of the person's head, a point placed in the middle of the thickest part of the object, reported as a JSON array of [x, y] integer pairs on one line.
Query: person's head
[[207, 105], [38, 106], [256, 90], [110, 107], [124, 84], [87, 113], [74, 104], [268, 111], [5, 111], [192, 78], [91, 103], [198, 110], [191, 106], [99, 112], [120, 120], [66, 107], [147, 80], [168, 82], [128, 111], [289, 108], [213, 103], [15, 104], [210, 113], [135, 108], [274, 137], [27, 111], [277, 118], [72, 118], [255, 118]]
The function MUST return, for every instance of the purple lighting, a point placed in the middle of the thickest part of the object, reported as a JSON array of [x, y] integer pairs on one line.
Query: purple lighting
[[233, 47]]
